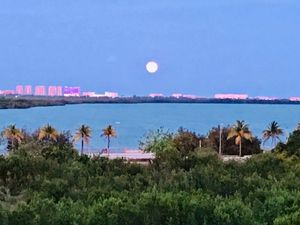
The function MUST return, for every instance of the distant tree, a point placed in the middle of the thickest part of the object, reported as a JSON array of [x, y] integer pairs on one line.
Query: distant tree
[[186, 141], [48, 133], [13, 135], [240, 131], [83, 134], [273, 132], [109, 132], [158, 141], [292, 147], [213, 140], [61, 150]]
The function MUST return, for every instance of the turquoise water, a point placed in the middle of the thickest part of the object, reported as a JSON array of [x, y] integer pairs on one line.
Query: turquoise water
[[132, 121]]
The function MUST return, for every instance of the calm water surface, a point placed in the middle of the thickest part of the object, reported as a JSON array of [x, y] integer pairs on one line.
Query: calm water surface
[[132, 121]]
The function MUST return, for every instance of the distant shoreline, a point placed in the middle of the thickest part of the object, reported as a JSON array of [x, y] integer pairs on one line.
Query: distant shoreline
[[25, 102]]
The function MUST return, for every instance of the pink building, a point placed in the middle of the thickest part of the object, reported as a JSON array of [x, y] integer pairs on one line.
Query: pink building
[[294, 99], [71, 91], [55, 91], [7, 92], [40, 90], [177, 95], [154, 95], [52, 91], [59, 90], [111, 94], [19, 90], [232, 96], [28, 90]]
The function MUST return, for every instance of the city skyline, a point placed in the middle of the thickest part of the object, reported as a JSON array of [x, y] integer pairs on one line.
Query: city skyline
[[76, 91]]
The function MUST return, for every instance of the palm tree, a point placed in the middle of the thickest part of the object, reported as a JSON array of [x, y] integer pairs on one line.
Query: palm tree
[[13, 135], [240, 131], [83, 133], [48, 133], [108, 132], [274, 132]]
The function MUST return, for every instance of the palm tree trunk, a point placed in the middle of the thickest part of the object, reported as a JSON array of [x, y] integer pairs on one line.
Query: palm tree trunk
[[275, 143], [108, 142], [240, 148], [82, 146]]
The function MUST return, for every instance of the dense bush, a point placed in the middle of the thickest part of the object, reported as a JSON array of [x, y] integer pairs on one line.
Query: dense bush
[[293, 145], [49, 183]]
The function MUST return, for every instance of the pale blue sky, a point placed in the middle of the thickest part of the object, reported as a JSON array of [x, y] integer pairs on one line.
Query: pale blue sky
[[202, 46]]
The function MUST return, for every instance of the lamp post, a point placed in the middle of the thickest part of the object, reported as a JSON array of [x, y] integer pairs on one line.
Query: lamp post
[[220, 139]]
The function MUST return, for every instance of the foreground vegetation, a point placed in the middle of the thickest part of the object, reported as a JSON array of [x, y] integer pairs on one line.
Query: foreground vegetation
[[45, 181]]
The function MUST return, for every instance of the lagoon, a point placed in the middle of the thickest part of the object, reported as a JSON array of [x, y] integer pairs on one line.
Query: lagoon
[[133, 121]]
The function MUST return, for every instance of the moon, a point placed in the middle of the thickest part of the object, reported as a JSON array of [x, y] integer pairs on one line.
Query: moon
[[152, 67]]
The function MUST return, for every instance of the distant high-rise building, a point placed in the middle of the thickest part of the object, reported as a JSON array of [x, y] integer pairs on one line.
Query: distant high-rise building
[[71, 91], [19, 90], [59, 90], [52, 91], [55, 91], [40, 90], [28, 90]]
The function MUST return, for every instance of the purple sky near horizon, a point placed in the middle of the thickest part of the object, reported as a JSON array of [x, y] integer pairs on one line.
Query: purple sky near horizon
[[202, 47]]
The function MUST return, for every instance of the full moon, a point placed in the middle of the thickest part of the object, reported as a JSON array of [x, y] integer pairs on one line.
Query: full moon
[[152, 67]]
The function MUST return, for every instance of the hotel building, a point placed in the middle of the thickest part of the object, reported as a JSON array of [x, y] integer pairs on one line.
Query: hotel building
[[40, 90], [54, 91], [59, 90], [19, 90], [71, 91], [28, 90]]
